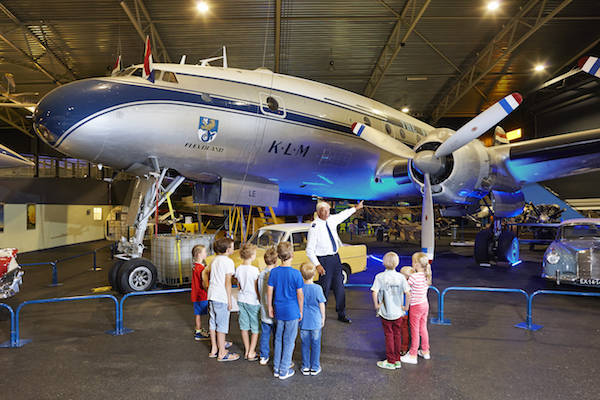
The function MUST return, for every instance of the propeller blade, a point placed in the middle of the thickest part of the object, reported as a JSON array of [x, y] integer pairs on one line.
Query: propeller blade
[[427, 220], [480, 124], [382, 140]]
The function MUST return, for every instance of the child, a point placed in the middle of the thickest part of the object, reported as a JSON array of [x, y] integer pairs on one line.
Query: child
[[285, 299], [199, 295], [266, 322], [419, 308], [388, 291], [247, 277], [312, 322], [219, 299]]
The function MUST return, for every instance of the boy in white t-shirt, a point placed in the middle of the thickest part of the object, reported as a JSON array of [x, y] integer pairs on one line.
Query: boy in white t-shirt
[[247, 277], [219, 299]]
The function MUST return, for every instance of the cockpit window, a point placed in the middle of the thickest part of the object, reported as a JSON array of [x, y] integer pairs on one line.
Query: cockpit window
[[169, 76], [137, 72], [157, 73], [125, 72]]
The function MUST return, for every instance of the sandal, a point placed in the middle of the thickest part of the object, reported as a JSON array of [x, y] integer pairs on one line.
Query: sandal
[[229, 357], [212, 355], [228, 344], [255, 358]]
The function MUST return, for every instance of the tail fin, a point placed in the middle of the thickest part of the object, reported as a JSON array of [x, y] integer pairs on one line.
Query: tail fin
[[117, 68], [500, 136], [148, 72], [591, 65]]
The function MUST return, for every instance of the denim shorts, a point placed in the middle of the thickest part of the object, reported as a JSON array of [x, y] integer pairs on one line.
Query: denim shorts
[[218, 316], [200, 307], [248, 317]]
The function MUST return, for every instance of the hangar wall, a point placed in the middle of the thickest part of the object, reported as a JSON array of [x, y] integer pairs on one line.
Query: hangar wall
[[56, 225]]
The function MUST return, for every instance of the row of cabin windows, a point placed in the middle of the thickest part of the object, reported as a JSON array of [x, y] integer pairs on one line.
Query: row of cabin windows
[[166, 76], [405, 125]]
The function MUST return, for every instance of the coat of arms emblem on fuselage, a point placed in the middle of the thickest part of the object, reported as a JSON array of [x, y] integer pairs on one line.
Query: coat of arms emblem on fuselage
[[207, 129]]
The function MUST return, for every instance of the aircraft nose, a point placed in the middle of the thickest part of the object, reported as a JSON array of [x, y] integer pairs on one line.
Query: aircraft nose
[[65, 107]]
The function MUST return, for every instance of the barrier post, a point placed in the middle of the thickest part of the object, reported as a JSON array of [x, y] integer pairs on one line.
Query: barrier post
[[20, 342], [54, 274], [12, 342], [95, 267], [121, 330], [439, 319]]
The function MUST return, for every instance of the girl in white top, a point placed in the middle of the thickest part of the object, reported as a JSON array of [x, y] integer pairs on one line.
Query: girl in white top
[[419, 283], [247, 277]]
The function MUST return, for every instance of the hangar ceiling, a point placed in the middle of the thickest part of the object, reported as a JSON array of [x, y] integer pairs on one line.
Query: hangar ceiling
[[441, 58]]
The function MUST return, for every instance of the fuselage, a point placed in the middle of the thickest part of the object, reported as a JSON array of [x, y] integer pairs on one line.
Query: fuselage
[[261, 125]]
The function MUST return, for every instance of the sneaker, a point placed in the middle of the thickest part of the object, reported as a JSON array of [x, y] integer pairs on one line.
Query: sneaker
[[199, 335], [264, 361], [386, 365], [398, 364], [316, 372], [305, 371], [276, 374], [408, 359], [423, 354], [290, 373]]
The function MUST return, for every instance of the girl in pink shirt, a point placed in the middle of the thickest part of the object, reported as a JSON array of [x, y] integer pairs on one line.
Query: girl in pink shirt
[[419, 283]]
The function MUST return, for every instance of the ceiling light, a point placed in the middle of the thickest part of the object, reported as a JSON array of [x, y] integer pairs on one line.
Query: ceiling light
[[514, 134], [493, 5], [202, 6], [405, 109], [540, 67]]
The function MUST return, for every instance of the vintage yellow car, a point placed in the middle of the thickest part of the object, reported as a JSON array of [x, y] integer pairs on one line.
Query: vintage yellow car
[[354, 257]]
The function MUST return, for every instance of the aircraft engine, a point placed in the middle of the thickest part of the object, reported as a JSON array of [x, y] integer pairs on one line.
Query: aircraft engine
[[459, 177]]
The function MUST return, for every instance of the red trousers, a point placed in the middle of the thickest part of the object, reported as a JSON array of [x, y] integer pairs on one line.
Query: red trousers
[[396, 338]]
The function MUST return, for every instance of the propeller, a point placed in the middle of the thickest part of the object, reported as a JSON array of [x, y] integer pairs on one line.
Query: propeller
[[432, 163]]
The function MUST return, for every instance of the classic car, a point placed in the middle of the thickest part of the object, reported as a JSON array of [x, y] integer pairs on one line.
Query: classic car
[[574, 255]]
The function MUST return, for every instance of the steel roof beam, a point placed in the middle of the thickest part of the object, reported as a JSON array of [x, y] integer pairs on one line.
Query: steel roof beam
[[394, 43], [277, 34], [160, 51], [15, 120], [44, 45], [512, 35]]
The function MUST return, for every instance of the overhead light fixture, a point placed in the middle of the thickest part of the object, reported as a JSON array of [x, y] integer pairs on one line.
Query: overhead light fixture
[[493, 5], [416, 78], [514, 134], [202, 6], [539, 68], [405, 109]]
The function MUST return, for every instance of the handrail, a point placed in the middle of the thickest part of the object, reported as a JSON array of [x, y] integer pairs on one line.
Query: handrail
[[19, 342], [529, 325], [121, 330], [440, 319], [12, 342]]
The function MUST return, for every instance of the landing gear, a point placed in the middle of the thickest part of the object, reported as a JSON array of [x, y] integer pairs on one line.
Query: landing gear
[[131, 272], [496, 245]]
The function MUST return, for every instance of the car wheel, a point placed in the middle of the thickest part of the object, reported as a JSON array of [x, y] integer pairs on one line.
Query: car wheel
[[481, 251], [113, 274], [137, 275], [508, 247], [346, 271]]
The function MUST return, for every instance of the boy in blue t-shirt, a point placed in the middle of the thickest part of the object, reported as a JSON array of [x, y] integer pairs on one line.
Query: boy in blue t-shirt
[[285, 299], [312, 323]]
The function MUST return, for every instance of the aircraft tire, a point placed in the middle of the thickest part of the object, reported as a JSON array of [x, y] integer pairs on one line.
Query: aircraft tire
[[113, 273], [508, 247], [137, 275], [481, 251], [346, 271]]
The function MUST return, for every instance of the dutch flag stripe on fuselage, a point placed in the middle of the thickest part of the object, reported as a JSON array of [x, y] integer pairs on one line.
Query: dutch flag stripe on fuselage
[[592, 66]]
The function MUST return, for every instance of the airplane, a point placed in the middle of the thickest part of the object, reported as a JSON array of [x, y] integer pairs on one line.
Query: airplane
[[246, 136]]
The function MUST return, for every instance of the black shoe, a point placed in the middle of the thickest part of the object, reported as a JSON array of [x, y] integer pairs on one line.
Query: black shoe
[[343, 318]]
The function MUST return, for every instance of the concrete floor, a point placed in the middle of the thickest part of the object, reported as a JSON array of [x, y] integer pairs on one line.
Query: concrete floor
[[480, 356]]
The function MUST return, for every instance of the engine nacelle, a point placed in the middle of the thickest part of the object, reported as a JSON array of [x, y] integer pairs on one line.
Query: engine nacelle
[[507, 204], [465, 175]]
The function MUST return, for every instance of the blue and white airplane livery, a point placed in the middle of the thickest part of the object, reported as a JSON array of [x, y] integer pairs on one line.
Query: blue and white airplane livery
[[247, 136]]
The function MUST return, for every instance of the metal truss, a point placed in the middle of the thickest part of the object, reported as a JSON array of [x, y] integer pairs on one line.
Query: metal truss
[[15, 120], [40, 41], [277, 35], [407, 20], [145, 27], [514, 33]]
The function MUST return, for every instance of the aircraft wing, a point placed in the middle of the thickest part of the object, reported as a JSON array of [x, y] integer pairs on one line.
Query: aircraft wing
[[11, 159], [552, 157]]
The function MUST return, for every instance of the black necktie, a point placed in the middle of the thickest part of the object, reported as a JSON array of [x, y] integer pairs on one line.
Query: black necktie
[[333, 244]]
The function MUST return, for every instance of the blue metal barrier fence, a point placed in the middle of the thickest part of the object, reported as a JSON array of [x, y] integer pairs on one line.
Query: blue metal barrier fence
[[12, 342], [121, 330], [18, 342], [529, 325], [440, 319]]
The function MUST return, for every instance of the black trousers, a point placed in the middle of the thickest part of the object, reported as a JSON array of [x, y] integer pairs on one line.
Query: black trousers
[[333, 280]]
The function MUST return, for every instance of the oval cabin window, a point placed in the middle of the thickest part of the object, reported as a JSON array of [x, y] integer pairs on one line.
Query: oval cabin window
[[272, 104]]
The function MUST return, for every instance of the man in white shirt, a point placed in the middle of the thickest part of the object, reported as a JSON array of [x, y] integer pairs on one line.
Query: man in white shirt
[[322, 248]]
